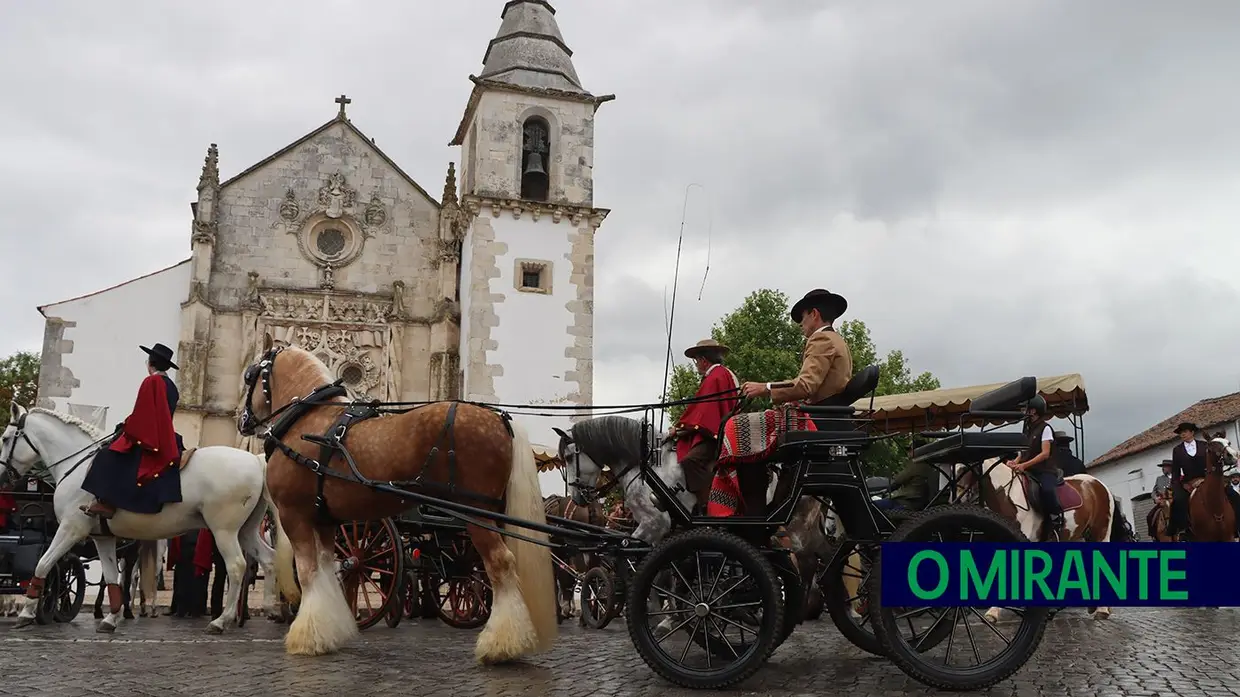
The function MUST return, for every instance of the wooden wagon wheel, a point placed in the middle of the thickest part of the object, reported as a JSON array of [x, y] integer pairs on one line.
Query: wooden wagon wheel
[[464, 591], [371, 566], [70, 589]]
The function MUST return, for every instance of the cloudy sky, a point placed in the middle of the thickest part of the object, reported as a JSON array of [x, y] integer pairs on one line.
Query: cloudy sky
[[1000, 189]]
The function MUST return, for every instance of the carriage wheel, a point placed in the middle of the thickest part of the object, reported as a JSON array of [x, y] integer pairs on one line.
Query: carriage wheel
[[728, 590], [71, 589], [814, 604], [396, 612], [371, 568], [1013, 643], [465, 591], [598, 598]]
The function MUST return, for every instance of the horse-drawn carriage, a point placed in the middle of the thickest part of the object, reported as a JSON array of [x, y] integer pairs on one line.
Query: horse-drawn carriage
[[26, 537], [708, 576]]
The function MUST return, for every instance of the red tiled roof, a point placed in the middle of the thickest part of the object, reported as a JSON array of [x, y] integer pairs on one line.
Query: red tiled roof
[[1206, 414]]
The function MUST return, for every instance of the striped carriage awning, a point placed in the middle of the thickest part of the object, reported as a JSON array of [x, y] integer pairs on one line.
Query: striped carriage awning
[[942, 409], [547, 458]]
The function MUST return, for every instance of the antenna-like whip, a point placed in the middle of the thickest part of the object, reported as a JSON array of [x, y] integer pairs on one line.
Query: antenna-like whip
[[710, 223], [667, 363]]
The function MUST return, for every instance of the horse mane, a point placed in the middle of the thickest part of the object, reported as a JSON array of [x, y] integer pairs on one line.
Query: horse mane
[[609, 439], [70, 420], [310, 373]]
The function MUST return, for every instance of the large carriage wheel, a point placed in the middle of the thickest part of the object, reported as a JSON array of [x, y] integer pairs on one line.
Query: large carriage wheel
[[1013, 643], [70, 589], [465, 591], [729, 595], [371, 567], [598, 598]]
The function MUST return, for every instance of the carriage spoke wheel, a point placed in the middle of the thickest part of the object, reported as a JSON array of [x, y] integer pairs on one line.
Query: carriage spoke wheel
[[598, 601], [704, 609], [370, 563], [970, 652], [464, 591], [70, 589]]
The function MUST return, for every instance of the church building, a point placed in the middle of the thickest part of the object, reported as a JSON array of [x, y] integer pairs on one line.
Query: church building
[[484, 292]]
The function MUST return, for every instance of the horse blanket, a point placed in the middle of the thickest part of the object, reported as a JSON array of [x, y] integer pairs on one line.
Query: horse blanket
[[747, 438]]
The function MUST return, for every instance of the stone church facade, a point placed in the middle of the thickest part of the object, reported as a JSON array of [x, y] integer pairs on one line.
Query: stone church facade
[[482, 292]]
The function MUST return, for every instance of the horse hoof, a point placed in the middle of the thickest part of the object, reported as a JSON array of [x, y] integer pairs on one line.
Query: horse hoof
[[214, 629], [23, 622], [105, 628], [1102, 614]]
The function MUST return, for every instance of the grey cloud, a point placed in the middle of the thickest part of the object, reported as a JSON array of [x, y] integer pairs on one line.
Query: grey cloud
[[1000, 188]]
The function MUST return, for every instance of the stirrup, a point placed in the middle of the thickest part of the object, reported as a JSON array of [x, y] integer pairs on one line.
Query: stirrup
[[98, 510]]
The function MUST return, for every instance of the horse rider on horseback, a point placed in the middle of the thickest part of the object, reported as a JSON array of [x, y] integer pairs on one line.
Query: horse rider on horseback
[[1037, 463], [1188, 464], [826, 368], [139, 470], [1067, 461], [1162, 489], [697, 430]]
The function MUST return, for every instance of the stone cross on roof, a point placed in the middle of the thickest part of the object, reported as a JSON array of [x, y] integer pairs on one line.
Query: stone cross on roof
[[342, 101]]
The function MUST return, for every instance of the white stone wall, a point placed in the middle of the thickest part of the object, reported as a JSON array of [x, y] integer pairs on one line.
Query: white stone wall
[[1136, 474], [100, 349], [259, 232], [494, 145]]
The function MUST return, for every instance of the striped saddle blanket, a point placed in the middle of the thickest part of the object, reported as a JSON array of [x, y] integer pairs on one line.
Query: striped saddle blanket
[[747, 438]]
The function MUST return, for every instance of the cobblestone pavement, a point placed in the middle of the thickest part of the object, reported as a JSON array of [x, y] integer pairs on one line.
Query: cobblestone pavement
[[167, 657]]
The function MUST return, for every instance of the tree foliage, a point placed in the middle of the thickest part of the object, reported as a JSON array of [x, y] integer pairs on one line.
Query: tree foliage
[[766, 347], [19, 382]]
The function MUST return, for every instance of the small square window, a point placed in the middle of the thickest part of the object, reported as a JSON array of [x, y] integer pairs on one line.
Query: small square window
[[532, 276]]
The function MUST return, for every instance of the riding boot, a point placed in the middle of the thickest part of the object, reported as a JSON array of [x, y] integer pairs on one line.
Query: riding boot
[[100, 509]]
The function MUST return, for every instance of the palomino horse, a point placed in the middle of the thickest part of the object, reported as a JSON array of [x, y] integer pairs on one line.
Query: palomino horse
[[1091, 513], [459, 452], [563, 507], [222, 489], [1210, 515]]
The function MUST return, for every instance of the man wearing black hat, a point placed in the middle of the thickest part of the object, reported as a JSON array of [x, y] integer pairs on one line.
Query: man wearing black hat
[[139, 471], [1067, 461], [826, 368]]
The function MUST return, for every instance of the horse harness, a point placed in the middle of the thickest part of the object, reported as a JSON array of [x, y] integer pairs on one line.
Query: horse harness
[[332, 441]]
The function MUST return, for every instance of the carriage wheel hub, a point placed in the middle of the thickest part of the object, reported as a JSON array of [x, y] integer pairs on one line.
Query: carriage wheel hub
[[701, 610], [349, 564]]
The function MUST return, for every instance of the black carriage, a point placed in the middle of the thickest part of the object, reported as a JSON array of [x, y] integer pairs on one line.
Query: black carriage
[[27, 536]]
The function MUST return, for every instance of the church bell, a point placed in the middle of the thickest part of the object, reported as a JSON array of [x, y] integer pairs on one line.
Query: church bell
[[535, 166]]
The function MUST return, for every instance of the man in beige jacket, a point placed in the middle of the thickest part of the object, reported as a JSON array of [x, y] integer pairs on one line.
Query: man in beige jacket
[[826, 367]]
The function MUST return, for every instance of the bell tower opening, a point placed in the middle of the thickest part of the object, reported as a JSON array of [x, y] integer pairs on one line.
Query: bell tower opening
[[536, 159]]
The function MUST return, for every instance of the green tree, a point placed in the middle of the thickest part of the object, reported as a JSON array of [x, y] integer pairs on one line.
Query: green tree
[[766, 347], [19, 382]]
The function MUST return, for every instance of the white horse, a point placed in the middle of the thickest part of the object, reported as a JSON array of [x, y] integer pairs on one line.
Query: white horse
[[1099, 518], [223, 489]]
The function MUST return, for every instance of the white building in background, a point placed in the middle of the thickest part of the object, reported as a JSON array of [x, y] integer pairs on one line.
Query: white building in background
[[485, 294], [92, 365], [1130, 468]]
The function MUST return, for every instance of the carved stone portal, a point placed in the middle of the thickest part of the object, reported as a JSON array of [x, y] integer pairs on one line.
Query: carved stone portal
[[355, 356], [335, 196]]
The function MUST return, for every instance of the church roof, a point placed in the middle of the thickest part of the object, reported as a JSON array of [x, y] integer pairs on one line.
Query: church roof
[[339, 119], [529, 51], [43, 308]]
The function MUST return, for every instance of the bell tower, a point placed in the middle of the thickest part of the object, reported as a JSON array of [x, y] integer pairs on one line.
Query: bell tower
[[527, 195]]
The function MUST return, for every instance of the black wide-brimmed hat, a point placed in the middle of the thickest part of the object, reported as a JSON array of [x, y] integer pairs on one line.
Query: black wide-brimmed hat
[[1186, 426], [1167, 463], [1061, 437], [833, 304], [160, 352]]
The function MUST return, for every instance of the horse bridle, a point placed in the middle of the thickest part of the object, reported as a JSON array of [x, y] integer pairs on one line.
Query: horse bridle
[[259, 371], [10, 473]]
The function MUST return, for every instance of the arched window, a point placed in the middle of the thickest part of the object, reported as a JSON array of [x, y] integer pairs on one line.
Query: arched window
[[535, 159]]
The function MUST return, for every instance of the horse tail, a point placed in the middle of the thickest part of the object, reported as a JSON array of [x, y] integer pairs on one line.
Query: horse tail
[[285, 576], [148, 569], [535, 571], [1121, 530]]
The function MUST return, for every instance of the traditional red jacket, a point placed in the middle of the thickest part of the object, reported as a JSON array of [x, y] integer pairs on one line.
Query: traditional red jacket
[[149, 427], [202, 552], [8, 504], [705, 418]]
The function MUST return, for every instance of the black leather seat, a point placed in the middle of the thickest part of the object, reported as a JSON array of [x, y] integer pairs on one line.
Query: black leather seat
[[836, 427], [979, 444]]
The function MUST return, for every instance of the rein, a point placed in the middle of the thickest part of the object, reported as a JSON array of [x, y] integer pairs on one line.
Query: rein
[[12, 472]]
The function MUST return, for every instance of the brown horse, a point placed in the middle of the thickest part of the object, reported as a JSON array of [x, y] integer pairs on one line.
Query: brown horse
[[1162, 519], [1210, 515], [1091, 513], [455, 451], [563, 507]]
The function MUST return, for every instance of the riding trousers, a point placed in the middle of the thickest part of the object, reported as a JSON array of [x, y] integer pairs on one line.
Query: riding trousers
[[1048, 485]]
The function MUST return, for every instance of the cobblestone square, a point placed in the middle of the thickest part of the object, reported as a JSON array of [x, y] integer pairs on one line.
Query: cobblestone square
[[1127, 655]]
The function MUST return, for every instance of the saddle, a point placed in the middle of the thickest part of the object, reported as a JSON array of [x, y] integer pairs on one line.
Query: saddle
[[1069, 498], [185, 456], [1191, 485]]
